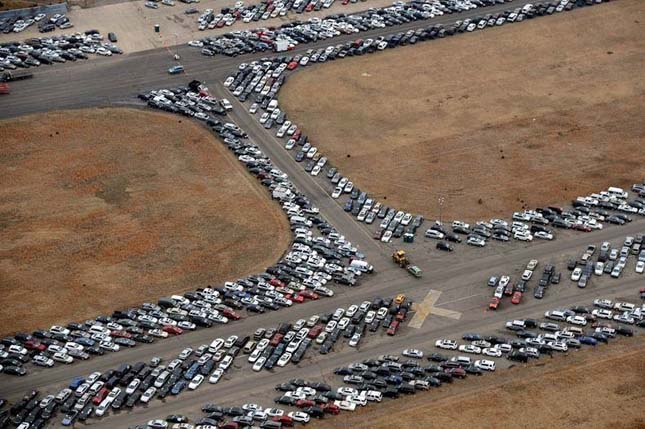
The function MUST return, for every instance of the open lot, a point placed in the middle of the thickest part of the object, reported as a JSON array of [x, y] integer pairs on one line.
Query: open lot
[[487, 126], [94, 219], [542, 393]]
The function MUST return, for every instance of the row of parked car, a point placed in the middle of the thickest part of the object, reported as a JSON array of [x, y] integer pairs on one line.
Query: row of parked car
[[292, 34], [262, 81], [45, 23], [516, 290], [128, 385], [139, 383], [58, 49], [610, 260], [389, 376], [263, 10], [291, 341]]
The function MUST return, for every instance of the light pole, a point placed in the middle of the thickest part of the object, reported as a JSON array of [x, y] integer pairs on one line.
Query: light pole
[[441, 201]]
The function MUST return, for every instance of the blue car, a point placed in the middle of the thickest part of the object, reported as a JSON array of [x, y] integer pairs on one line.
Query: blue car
[[349, 205], [394, 379], [176, 69], [588, 341], [76, 382], [87, 342], [69, 418], [178, 387]]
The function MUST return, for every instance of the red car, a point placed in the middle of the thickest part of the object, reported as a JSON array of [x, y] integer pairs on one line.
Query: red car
[[121, 334], [229, 425], [394, 326], [35, 345], [285, 420], [100, 396], [292, 65], [331, 409], [457, 372], [231, 314], [275, 282], [315, 331], [296, 298], [277, 338], [517, 297], [302, 403], [401, 315], [297, 134], [494, 303], [309, 294], [174, 330]]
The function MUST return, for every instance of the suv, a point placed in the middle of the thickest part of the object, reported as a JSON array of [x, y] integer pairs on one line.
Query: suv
[[176, 69]]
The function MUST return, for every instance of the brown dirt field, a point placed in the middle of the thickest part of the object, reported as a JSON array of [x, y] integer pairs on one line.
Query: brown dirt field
[[521, 115], [106, 208], [595, 388], [22, 4]]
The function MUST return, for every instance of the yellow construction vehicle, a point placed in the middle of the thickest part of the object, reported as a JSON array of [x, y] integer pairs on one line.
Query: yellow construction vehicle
[[399, 257]]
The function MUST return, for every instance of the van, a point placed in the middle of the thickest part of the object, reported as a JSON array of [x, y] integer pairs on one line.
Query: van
[[98, 329], [618, 192], [248, 348], [575, 330], [373, 395], [361, 265], [301, 220]]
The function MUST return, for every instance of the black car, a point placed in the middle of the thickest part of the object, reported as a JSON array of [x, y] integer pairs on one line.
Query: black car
[[442, 245]]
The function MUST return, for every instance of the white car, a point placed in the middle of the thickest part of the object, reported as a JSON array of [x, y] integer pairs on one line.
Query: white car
[[337, 192], [432, 233], [576, 274], [63, 358], [42, 360], [577, 320], [274, 412], [148, 394], [543, 235], [526, 275], [492, 352], [446, 344], [299, 416], [216, 375], [640, 267], [558, 346], [195, 382], [469, 348], [284, 359], [476, 241], [523, 236], [602, 313], [485, 365], [226, 362], [347, 391], [259, 364], [503, 281], [356, 338], [413, 353], [226, 104]]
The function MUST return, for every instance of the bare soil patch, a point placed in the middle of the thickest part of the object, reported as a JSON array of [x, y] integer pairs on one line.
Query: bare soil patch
[[518, 116], [600, 388], [106, 208]]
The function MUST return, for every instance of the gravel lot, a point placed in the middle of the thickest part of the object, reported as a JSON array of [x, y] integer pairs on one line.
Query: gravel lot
[[545, 392], [486, 126], [96, 218]]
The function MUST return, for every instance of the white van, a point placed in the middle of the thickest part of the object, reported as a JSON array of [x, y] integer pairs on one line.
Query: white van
[[618, 192], [373, 395], [361, 265], [300, 219]]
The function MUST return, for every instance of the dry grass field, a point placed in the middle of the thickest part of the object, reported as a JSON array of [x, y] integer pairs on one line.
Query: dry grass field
[[106, 208], [599, 388], [518, 116]]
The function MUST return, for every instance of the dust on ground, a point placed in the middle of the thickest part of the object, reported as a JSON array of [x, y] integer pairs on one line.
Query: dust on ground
[[106, 208], [517, 116]]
